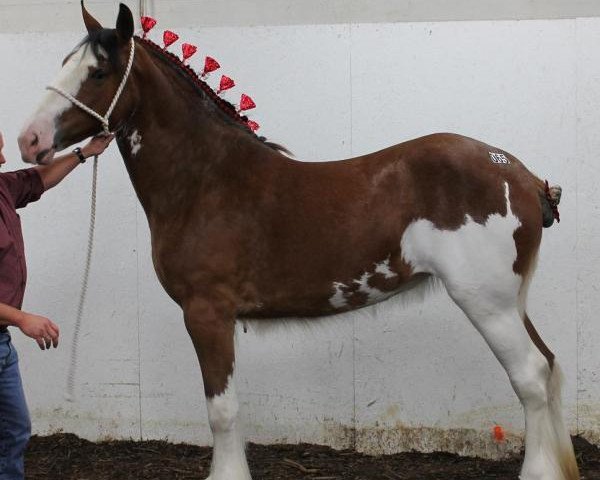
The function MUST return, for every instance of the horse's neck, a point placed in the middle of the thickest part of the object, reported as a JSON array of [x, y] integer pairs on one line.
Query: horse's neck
[[175, 143]]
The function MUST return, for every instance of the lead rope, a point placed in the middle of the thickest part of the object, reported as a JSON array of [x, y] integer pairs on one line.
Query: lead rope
[[104, 120], [84, 287]]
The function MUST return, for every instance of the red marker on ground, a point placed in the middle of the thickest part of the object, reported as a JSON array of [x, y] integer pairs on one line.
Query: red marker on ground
[[499, 434]]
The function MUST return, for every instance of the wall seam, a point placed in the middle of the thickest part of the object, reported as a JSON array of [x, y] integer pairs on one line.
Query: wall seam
[[139, 333], [577, 277], [351, 100]]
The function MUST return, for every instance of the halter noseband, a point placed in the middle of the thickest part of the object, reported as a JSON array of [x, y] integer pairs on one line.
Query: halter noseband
[[104, 120]]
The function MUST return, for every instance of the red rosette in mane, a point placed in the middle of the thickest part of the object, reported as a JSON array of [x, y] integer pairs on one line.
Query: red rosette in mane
[[188, 50], [210, 65], [252, 125], [169, 38], [225, 84], [148, 24], [246, 103]]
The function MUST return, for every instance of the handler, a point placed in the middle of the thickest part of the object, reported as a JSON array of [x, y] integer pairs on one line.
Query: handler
[[17, 189]]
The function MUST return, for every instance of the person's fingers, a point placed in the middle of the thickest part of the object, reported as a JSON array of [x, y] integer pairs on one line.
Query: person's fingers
[[106, 137], [54, 327], [52, 334], [40, 342], [47, 342]]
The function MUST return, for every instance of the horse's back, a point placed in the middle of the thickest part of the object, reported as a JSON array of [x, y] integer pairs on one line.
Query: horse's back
[[445, 176]]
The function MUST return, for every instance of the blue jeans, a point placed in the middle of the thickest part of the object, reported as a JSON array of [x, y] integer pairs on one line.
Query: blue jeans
[[15, 425]]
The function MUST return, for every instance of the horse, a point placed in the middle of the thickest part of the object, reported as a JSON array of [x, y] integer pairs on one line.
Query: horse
[[241, 231]]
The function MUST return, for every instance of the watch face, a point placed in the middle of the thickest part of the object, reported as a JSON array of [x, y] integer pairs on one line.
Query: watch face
[[77, 151]]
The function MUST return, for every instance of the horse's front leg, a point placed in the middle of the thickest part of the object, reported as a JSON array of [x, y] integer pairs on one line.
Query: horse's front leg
[[211, 327]]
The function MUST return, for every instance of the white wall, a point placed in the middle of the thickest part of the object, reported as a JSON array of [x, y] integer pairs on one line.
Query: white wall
[[415, 377], [61, 15]]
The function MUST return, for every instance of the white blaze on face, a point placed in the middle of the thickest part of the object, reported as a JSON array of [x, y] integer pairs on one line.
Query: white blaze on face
[[70, 78], [135, 142]]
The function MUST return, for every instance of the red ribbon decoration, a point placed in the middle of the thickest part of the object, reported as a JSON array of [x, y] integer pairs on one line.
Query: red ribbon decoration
[[252, 125], [226, 84], [246, 103], [188, 50], [148, 24], [169, 38], [210, 65]]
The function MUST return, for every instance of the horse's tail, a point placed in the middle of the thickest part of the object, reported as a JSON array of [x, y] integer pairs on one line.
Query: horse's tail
[[556, 439], [550, 198], [564, 447]]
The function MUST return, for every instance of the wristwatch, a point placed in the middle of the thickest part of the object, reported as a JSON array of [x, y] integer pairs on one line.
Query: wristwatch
[[77, 151]]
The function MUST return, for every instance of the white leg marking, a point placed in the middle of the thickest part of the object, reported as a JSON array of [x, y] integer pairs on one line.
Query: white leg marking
[[135, 142], [229, 458], [475, 263]]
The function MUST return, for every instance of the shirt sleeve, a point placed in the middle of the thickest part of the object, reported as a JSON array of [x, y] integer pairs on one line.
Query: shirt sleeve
[[24, 186]]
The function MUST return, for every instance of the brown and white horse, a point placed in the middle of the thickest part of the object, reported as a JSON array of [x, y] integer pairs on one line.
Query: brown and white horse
[[240, 230]]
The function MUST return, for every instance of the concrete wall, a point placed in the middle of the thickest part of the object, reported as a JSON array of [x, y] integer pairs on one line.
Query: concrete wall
[[388, 377], [61, 15]]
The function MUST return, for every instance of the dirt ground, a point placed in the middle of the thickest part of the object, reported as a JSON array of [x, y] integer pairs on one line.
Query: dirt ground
[[67, 457]]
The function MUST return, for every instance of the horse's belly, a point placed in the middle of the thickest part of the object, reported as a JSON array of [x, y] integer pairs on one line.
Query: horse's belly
[[326, 295]]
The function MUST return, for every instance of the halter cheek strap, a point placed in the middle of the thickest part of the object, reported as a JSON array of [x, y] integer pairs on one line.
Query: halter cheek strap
[[104, 120]]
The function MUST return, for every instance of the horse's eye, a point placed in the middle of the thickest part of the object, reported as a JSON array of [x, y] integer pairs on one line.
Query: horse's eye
[[98, 74]]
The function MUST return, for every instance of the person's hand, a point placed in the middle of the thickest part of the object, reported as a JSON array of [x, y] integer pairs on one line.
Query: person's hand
[[97, 145], [42, 330]]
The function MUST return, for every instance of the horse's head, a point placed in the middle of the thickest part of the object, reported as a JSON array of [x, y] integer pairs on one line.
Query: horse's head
[[91, 74]]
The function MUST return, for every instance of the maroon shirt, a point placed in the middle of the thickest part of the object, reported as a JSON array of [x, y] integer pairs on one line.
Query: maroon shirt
[[17, 189]]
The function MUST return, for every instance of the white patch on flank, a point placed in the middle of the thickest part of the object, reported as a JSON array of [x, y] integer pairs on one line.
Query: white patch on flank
[[340, 297], [135, 141], [384, 269], [229, 458], [338, 300], [467, 258], [374, 295]]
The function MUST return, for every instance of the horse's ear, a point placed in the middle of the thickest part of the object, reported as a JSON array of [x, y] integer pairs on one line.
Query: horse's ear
[[125, 23], [91, 23]]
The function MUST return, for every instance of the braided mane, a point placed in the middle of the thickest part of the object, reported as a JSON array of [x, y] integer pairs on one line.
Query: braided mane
[[224, 106]]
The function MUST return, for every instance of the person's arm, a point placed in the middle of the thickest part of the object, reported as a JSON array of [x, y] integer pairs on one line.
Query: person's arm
[[52, 174], [42, 330]]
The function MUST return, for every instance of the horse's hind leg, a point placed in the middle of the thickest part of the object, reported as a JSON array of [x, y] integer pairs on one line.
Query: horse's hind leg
[[477, 263], [496, 312], [212, 333]]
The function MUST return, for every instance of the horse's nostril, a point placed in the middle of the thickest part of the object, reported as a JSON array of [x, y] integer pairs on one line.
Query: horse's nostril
[[35, 140]]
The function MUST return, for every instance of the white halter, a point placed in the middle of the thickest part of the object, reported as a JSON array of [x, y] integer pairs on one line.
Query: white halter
[[103, 119]]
